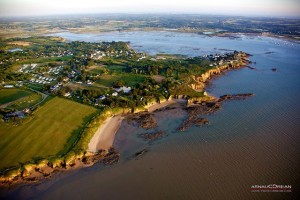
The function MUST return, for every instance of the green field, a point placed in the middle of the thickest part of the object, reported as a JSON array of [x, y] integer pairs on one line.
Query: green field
[[8, 95], [48, 133], [116, 68], [35, 86], [129, 79], [26, 102]]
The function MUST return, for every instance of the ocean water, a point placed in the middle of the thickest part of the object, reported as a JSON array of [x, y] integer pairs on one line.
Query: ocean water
[[249, 142]]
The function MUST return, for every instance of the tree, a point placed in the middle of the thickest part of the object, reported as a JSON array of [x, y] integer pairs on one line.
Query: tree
[[118, 84], [62, 91], [46, 87], [155, 70], [169, 72]]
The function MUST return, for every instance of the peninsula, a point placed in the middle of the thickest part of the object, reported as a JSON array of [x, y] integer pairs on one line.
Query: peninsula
[[85, 90]]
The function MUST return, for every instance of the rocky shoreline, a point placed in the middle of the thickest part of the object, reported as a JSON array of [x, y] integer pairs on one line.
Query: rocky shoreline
[[34, 173], [195, 107], [201, 81], [144, 120], [204, 108]]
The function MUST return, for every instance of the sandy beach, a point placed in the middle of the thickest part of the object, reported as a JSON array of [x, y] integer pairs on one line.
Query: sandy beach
[[104, 136], [161, 105]]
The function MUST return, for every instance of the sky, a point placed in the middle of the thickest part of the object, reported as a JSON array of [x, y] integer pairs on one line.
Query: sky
[[223, 7]]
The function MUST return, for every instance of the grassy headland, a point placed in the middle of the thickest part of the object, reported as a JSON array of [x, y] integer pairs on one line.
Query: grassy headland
[[100, 80], [48, 132]]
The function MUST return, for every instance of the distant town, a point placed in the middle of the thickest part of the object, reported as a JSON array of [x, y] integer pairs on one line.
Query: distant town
[[223, 26]]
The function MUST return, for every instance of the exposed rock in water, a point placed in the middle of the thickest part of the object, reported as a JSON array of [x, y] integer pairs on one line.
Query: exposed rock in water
[[195, 111], [152, 136], [140, 154], [93, 158], [251, 67], [111, 157], [274, 69], [201, 121], [269, 52], [144, 120], [164, 109], [234, 97]]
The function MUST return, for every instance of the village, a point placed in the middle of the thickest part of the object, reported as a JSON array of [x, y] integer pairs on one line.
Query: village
[[101, 74], [57, 68]]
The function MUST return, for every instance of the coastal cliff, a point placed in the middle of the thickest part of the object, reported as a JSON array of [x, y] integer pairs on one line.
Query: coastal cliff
[[80, 157], [241, 60]]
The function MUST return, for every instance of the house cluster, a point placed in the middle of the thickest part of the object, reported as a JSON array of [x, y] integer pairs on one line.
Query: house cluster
[[56, 87], [121, 89], [27, 68], [114, 94], [98, 55], [141, 58], [124, 89], [62, 52], [72, 74], [11, 59], [55, 70], [17, 84], [158, 58], [41, 79], [17, 114], [38, 77], [218, 59], [55, 53]]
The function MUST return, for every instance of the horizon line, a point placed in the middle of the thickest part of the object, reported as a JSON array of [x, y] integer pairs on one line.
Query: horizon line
[[154, 13]]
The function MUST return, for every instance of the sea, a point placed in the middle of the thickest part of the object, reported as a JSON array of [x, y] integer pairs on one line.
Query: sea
[[252, 142]]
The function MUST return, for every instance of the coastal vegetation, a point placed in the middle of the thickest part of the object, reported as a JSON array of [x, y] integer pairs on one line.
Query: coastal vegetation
[[68, 89]]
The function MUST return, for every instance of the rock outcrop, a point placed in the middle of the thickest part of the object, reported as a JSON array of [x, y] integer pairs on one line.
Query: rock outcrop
[[234, 97], [153, 136], [35, 172], [198, 108], [194, 113], [143, 119]]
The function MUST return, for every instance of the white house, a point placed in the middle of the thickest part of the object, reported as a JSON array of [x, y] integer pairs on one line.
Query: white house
[[124, 89], [8, 86]]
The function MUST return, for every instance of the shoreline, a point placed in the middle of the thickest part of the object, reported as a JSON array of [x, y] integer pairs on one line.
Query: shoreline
[[216, 34], [99, 148], [156, 106], [105, 134], [104, 137]]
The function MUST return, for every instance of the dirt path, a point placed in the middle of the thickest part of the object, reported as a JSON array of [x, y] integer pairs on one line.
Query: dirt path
[[10, 103]]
